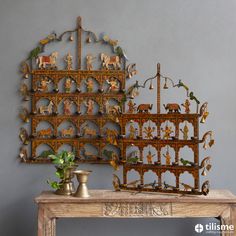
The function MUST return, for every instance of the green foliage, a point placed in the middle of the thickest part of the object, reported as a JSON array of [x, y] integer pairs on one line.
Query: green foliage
[[62, 162], [46, 153]]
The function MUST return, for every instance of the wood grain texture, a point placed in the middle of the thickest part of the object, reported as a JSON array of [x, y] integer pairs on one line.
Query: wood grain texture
[[109, 204]]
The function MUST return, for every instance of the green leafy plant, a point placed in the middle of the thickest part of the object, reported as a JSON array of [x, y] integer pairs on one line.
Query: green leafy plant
[[62, 162]]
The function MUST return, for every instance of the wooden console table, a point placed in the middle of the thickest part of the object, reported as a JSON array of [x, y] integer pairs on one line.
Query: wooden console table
[[109, 204]]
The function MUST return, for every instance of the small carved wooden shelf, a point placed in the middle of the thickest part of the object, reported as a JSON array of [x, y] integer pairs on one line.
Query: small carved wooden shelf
[[108, 204]]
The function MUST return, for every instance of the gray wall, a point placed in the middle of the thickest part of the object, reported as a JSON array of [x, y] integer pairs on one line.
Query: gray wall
[[193, 40]]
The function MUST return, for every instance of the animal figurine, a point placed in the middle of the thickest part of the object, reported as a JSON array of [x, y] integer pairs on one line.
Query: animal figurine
[[50, 61], [186, 106], [69, 61], [67, 132], [144, 108], [172, 108], [148, 132], [89, 131], [113, 85], [108, 61], [115, 110], [187, 187], [45, 133], [131, 107], [47, 40], [46, 109], [89, 61]]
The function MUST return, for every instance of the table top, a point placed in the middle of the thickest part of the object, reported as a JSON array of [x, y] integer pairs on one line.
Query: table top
[[101, 196]]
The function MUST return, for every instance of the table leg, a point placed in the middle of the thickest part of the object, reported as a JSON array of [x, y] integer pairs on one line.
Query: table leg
[[228, 217], [46, 222]]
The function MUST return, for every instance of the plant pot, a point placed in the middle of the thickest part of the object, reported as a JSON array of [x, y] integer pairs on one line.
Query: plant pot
[[67, 186]]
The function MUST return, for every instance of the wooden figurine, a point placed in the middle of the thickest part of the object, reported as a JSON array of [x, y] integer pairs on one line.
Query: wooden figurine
[[185, 131], [69, 61], [167, 157], [149, 157], [48, 109], [90, 85], [186, 106], [144, 108], [25, 69], [167, 132], [24, 115], [131, 107], [50, 61], [148, 132], [187, 187], [108, 61], [67, 106], [111, 136], [113, 85], [131, 70], [67, 132], [87, 131], [24, 136], [23, 155], [116, 182], [133, 157], [106, 107], [43, 85], [45, 133], [68, 85], [172, 108], [132, 132], [24, 92], [89, 61], [89, 104]]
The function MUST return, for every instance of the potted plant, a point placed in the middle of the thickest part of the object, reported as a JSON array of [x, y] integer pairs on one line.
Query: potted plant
[[65, 165]]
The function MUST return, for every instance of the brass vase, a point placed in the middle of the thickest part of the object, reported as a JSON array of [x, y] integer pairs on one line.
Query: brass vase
[[66, 185], [82, 177]]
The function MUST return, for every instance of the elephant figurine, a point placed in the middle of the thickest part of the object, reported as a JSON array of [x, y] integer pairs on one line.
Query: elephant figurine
[[144, 108], [172, 107]]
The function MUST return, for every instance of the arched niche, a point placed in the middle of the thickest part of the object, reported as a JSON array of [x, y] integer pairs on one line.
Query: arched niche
[[89, 85], [67, 107], [149, 130], [88, 151], [44, 129], [45, 106], [168, 178], [132, 154], [109, 151], [186, 153], [133, 175], [167, 130], [149, 154], [167, 155], [186, 181], [67, 129], [150, 177], [67, 85], [185, 130], [111, 85], [112, 125], [89, 129], [43, 150], [66, 147], [89, 106], [131, 130]]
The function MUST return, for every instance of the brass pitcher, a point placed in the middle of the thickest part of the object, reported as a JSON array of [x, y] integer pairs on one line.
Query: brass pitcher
[[66, 185], [82, 177]]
